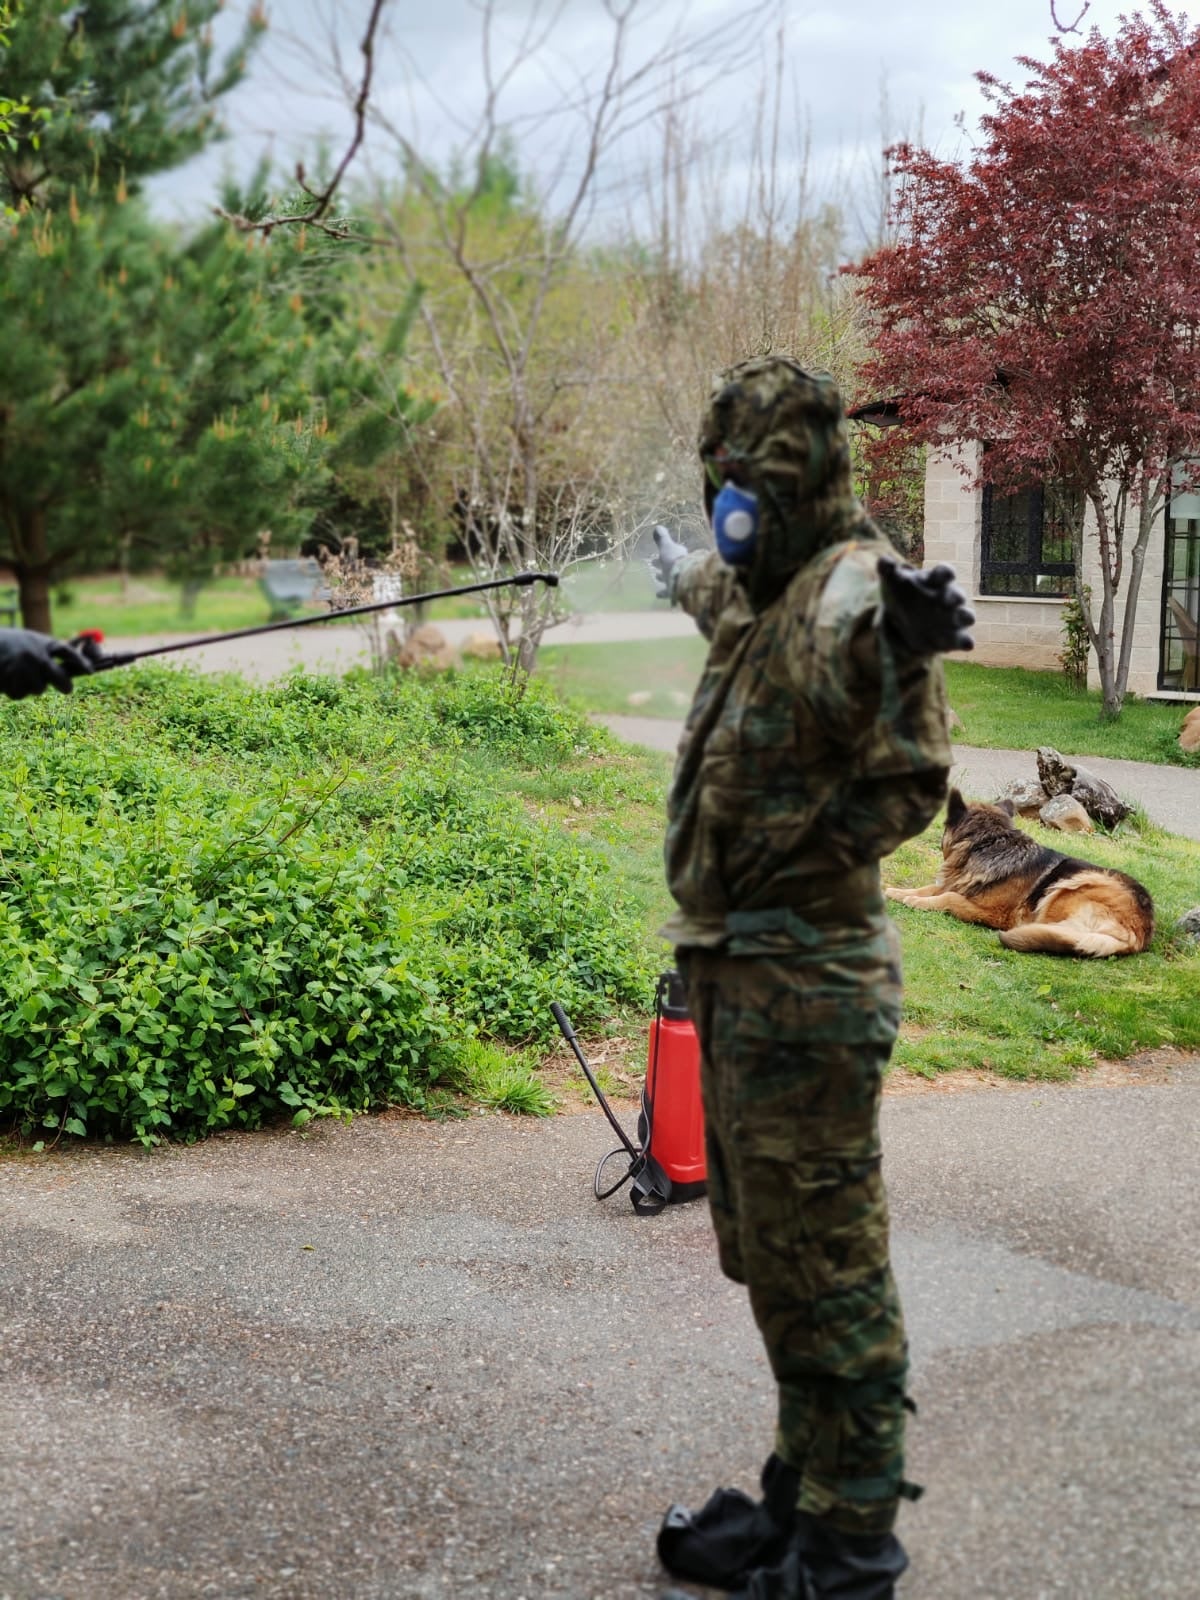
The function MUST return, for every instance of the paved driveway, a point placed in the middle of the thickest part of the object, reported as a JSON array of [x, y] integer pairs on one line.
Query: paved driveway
[[415, 1361]]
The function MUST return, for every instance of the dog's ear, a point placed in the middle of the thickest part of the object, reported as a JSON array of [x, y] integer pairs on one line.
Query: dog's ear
[[1007, 807], [955, 808]]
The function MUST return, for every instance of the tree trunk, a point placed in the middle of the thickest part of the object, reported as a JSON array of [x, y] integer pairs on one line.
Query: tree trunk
[[34, 584], [126, 549], [533, 625], [1104, 637], [34, 571], [527, 652], [1147, 507]]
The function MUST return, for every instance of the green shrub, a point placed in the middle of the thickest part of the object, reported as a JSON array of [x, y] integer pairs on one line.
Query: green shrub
[[221, 902]]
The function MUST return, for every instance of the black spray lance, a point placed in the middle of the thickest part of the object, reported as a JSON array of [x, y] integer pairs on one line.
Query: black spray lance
[[101, 661]]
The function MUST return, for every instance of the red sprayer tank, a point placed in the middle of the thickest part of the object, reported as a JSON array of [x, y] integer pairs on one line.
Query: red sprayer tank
[[673, 1107]]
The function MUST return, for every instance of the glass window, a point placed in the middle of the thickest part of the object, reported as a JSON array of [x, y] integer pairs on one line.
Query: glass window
[[1179, 661], [1026, 549]]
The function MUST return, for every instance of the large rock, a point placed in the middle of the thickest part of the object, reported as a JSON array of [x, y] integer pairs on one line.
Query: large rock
[[482, 647], [425, 647], [1065, 813], [1098, 798], [1026, 796], [1189, 923], [1189, 734]]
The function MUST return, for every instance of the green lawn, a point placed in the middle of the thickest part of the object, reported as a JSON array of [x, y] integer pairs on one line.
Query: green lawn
[[653, 678], [592, 586], [1008, 708], [151, 605], [969, 1002]]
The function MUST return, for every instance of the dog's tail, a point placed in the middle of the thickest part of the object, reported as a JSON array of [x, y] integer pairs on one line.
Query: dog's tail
[[1073, 938]]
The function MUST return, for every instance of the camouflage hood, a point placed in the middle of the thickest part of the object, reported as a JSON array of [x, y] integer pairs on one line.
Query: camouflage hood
[[774, 428]]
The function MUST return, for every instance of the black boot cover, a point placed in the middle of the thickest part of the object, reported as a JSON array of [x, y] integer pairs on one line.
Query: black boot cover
[[822, 1564], [790, 1580], [845, 1566], [732, 1535]]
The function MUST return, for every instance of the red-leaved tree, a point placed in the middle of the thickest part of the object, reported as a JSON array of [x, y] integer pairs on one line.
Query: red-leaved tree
[[1044, 297]]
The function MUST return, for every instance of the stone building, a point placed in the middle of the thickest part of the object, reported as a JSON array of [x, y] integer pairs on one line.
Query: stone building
[[1019, 571]]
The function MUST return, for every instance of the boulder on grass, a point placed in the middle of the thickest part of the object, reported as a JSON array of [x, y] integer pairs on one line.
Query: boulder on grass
[[425, 648], [1067, 814], [1027, 797], [1098, 798], [1189, 923], [482, 647], [1189, 734]]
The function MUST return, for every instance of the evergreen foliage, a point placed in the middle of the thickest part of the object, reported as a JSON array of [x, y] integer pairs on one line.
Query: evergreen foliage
[[117, 90], [170, 401], [149, 396]]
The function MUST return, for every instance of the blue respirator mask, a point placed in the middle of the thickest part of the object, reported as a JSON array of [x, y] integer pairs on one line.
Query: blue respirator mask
[[735, 524]]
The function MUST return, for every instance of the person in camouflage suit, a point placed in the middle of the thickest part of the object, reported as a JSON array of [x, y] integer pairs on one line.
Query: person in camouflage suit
[[816, 744]]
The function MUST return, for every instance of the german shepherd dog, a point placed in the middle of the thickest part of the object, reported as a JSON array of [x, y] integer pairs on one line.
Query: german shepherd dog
[[994, 874]]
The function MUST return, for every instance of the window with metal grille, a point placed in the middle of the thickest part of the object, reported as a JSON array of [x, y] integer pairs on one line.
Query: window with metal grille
[[1025, 549], [1179, 659]]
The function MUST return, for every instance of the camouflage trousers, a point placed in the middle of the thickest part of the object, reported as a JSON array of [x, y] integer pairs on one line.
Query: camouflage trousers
[[793, 1048]]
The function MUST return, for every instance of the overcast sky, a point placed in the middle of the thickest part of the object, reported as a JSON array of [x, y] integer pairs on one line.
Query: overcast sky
[[427, 77]]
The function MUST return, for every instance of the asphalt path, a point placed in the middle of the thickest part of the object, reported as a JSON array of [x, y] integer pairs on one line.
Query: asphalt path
[[411, 1360]]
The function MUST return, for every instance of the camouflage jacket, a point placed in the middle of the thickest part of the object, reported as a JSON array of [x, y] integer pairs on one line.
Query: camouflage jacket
[[814, 745]]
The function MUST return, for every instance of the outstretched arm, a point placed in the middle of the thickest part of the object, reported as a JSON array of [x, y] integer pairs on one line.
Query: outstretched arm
[[697, 581], [925, 612]]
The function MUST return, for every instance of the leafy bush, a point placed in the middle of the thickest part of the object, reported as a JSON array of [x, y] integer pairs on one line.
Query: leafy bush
[[220, 902]]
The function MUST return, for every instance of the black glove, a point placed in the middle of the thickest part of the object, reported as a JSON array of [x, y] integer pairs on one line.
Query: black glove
[[926, 612], [31, 662], [668, 554]]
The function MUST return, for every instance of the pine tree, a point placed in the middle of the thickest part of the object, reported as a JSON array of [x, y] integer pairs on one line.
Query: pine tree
[[149, 400], [116, 90], [172, 403], [160, 400]]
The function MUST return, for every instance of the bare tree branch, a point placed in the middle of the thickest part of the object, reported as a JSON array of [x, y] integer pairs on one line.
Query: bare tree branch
[[322, 199], [1069, 27]]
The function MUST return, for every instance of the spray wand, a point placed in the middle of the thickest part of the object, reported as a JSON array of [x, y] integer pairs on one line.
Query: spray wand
[[101, 661]]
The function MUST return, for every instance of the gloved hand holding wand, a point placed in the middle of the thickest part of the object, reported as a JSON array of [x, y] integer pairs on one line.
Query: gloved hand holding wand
[[32, 662], [669, 552]]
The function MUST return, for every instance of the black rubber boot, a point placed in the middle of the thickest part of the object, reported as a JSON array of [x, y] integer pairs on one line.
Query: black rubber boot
[[789, 1579], [823, 1564], [731, 1535], [845, 1566]]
